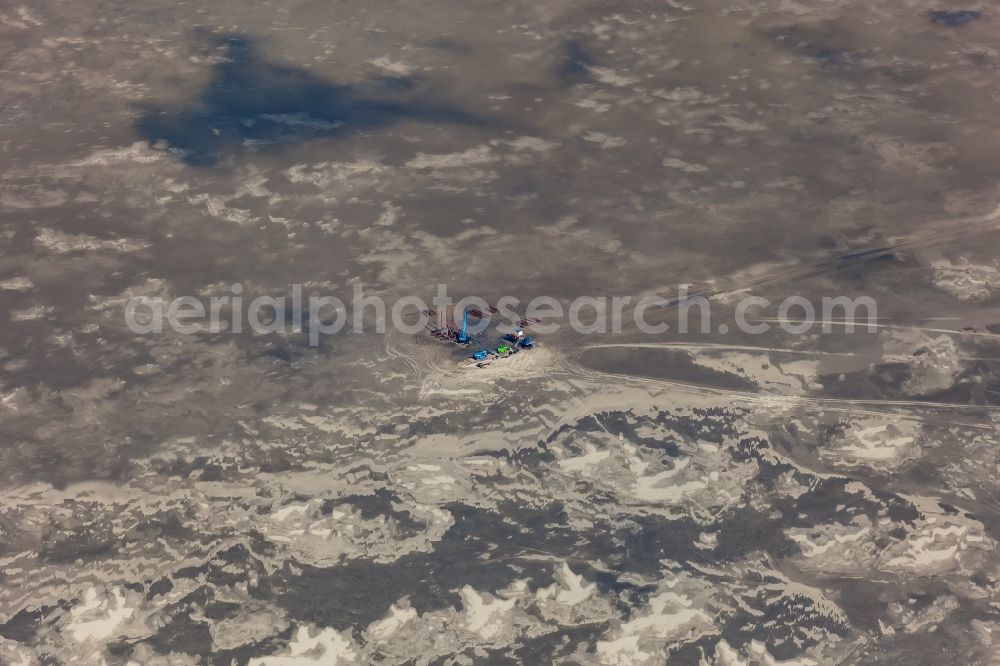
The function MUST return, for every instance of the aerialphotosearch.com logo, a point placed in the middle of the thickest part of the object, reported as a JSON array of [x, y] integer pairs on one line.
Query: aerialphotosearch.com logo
[[324, 315]]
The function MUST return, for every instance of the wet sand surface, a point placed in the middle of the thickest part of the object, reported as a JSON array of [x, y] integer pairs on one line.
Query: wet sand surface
[[614, 498]]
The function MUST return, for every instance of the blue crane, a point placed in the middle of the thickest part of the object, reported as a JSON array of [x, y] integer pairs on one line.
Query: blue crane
[[463, 336]]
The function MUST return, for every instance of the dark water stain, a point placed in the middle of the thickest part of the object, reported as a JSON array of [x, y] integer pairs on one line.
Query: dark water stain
[[280, 353], [575, 64], [380, 503], [665, 364], [779, 623], [451, 44], [23, 626], [183, 631], [480, 550], [817, 44], [883, 253], [953, 18], [558, 645], [252, 100]]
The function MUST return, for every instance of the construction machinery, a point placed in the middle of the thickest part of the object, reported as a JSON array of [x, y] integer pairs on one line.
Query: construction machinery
[[449, 332], [509, 345], [514, 342]]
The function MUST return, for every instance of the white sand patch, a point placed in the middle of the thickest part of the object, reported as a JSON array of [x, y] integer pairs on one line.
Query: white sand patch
[[32, 196], [675, 614], [252, 624], [873, 442], [62, 243], [336, 178], [878, 442], [829, 539], [153, 288], [482, 154], [15, 399], [937, 543], [726, 655], [934, 363], [425, 474], [593, 105], [965, 281], [572, 588], [532, 143], [661, 487], [787, 378], [686, 167], [903, 155], [21, 18], [447, 378], [697, 484], [32, 313], [255, 186], [581, 462], [216, 207], [18, 283], [327, 647], [98, 615], [484, 621], [604, 140], [940, 543], [572, 601], [906, 619], [139, 152], [287, 422], [307, 534], [15, 654], [707, 541], [391, 66], [689, 95], [390, 214], [610, 76], [399, 614], [434, 484], [741, 125], [485, 616]]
